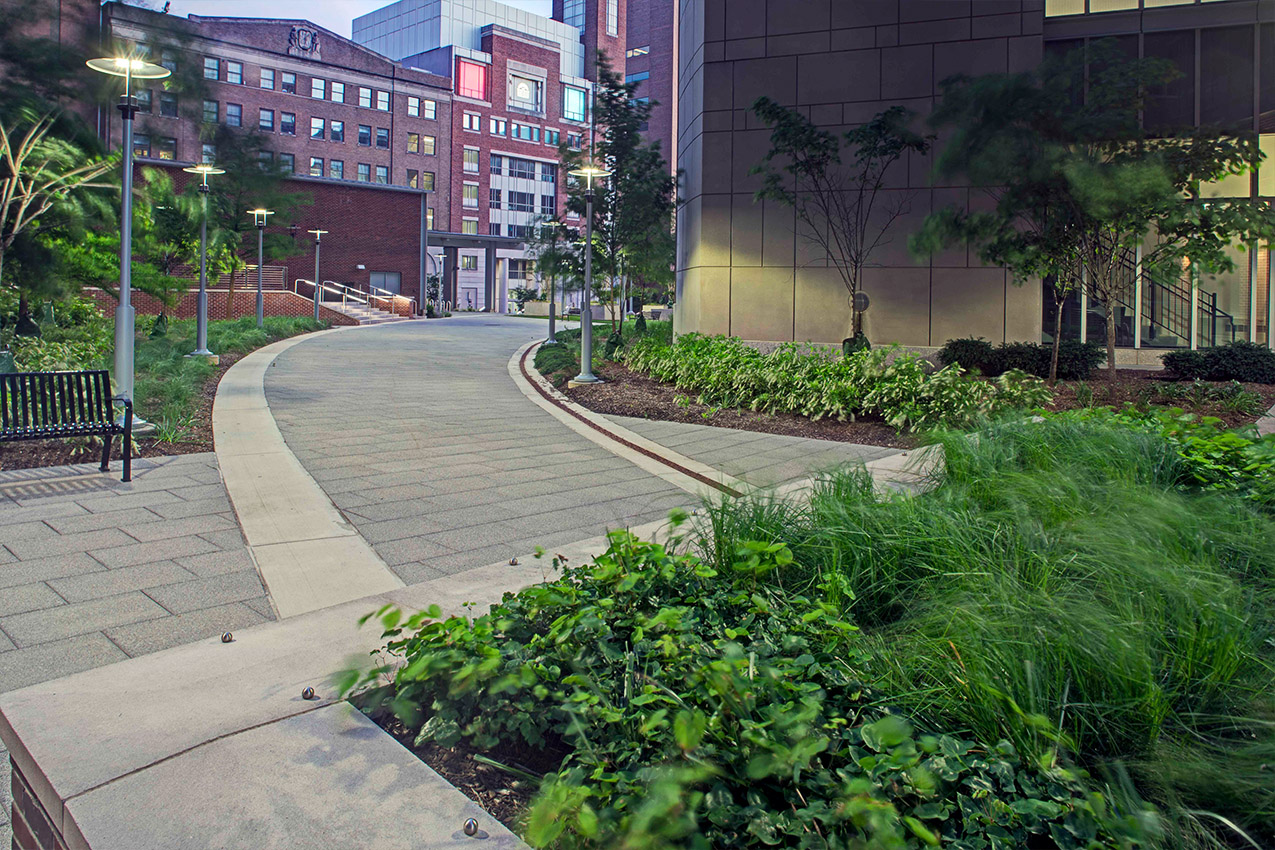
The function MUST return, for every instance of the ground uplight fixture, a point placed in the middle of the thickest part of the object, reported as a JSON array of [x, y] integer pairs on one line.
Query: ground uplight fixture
[[318, 293], [130, 68], [259, 217], [590, 172], [204, 171]]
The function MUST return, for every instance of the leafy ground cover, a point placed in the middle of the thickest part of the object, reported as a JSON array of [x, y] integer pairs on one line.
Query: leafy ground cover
[[170, 390], [1067, 644]]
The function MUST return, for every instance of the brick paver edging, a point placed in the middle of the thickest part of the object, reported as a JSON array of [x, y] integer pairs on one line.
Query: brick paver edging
[[568, 408]]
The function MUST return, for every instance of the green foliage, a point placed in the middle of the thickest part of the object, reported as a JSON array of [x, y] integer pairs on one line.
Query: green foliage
[[970, 353], [1232, 396], [639, 324], [1184, 363], [1243, 361], [520, 295], [79, 338], [1076, 360], [559, 363], [701, 707], [897, 386]]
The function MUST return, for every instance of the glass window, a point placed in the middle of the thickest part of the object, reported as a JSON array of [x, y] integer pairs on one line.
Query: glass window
[[383, 138], [413, 178], [493, 229], [1226, 77], [613, 17], [574, 141], [288, 83], [265, 159], [168, 59], [338, 131], [318, 128], [428, 144], [141, 144], [634, 52], [522, 202], [336, 169], [1173, 104], [469, 227], [210, 111], [430, 109], [497, 164], [365, 173], [525, 93], [383, 101], [471, 160], [316, 166], [493, 200], [413, 142], [549, 205], [234, 73], [548, 172], [234, 115], [469, 195], [382, 174], [469, 262], [522, 169], [365, 136], [168, 105], [473, 80], [167, 148], [574, 104], [639, 77], [427, 181], [498, 126], [414, 107], [553, 137], [212, 68], [519, 231], [472, 121], [365, 97], [265, 120], [267, 78], [208, 153], [287, 123], [144, 100], [1267, 94], [318, 88], [338, 92], [525, 132], [573, 13], [287, 163]]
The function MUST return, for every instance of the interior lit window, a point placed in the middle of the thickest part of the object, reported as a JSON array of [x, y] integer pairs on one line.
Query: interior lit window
[[473, 80]]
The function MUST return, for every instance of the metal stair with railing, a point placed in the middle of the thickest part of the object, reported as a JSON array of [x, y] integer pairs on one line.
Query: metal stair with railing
[[360, 305]]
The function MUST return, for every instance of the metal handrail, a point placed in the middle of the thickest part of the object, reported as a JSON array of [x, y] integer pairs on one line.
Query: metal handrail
[[392, 296]]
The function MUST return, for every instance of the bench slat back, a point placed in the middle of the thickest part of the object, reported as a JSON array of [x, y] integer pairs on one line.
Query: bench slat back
[[53, 401]]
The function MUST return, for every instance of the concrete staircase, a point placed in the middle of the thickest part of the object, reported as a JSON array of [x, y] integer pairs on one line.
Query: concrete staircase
[[365, 314]]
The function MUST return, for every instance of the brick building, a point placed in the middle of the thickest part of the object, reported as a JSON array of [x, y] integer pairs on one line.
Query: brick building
[[650, 61]]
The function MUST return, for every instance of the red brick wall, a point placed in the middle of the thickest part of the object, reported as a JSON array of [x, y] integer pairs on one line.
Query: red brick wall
[[245, 304], [33, 829]]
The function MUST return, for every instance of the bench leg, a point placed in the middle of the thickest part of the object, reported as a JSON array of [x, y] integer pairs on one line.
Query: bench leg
[[128, 441], [106, 452]]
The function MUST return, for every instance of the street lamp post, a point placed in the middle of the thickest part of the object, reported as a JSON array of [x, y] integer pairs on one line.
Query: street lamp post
[[424, 246], [586, 376], [318, 292], [201, 314], [129, 69], [259, 217], [553, 226]]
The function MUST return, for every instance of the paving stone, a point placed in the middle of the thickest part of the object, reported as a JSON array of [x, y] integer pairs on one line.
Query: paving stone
[[23, 667], [154, 635], [5, 644], [28, 531], [196, 507], [125, 502], [416, 549], [200, 491], [159, 550], [93, 522], [208, 592], [228, 540], [27, 572], [262, 606], [29, 550], [65, 621], [28, 597], [151, 531], [114, 582], [12, 514], [218, 563]]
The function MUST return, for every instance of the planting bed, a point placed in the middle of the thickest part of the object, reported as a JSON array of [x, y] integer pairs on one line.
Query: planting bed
[[1141, 388]]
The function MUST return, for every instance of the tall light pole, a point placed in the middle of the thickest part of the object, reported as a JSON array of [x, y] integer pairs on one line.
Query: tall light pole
[[589, 173], [318, 292], [259, 217], [553, 225], [201, 313], [129, 69], [424, 244]]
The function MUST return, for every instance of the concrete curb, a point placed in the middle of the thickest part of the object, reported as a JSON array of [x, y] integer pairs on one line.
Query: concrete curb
[[309, 557]]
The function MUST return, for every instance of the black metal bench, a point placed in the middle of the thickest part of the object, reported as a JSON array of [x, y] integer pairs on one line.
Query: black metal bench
[[50, 405]]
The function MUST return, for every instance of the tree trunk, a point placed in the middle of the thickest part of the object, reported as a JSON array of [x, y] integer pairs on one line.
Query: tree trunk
[[1109, 311], [1053, 362]]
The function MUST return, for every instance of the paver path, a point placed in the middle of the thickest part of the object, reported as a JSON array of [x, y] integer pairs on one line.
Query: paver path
[[421, 439], [94, 571]]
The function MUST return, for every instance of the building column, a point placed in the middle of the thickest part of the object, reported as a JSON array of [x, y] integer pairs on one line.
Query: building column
[[1137, 297], [449, 276], [489, 279], [502, 283]]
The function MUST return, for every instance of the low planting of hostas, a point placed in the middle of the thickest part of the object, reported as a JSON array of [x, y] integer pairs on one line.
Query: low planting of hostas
[[705, 709], [898, 386]]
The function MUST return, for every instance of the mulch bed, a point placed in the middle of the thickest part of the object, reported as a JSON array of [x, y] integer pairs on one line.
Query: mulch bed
[[502, 795], [30, 454], [629, 393]]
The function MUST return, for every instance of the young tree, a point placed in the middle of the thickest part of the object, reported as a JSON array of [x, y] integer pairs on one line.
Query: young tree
[[1078, 182], [835, 184], [634, 204], [552, 246]]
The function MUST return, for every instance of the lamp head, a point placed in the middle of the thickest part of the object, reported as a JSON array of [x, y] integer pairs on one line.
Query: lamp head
[[590, 172], [259, 216], [204, 171]]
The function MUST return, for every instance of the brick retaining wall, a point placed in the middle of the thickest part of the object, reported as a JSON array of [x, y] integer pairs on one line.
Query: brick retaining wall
[[245, 304], [33, 829]]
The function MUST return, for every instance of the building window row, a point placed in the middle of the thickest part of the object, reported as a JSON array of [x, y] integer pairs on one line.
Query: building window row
[[634, 52], [163, 147], [320, 89], [523, 169], [422, 144]]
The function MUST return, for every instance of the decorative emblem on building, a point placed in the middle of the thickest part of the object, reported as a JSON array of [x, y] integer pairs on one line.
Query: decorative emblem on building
[[303, 42]]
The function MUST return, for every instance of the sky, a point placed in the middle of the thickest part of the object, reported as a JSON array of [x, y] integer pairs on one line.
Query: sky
[[334, 15]]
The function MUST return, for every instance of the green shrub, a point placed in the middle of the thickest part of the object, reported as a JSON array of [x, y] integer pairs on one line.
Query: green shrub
[[80, 337], [714, 708], [559, 363], [969, 353], [1247, 362], [639, 324], [1186, 364], [898, 386]]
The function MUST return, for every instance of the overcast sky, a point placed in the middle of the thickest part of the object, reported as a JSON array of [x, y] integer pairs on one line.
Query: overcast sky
[[335, 15]]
